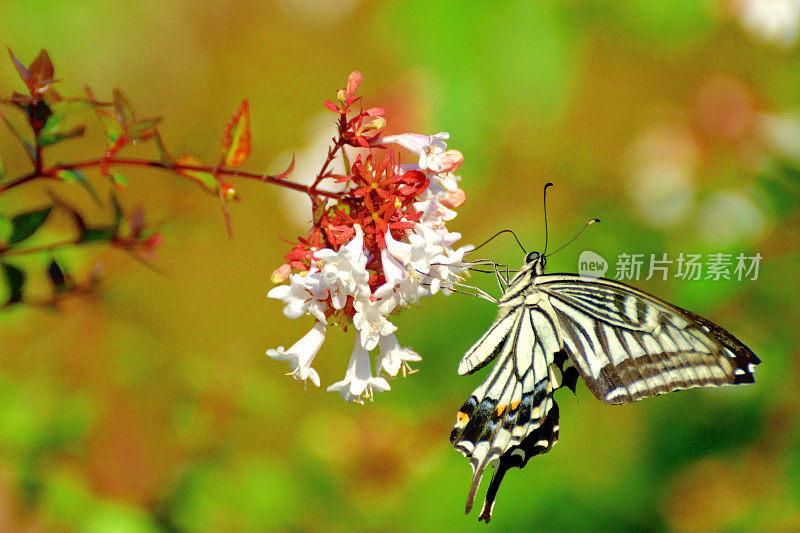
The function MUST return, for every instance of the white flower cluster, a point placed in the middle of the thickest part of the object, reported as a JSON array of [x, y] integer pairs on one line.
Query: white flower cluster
[[420, 264]]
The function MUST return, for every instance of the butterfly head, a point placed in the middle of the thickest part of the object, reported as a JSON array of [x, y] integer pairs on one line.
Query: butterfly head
[[536, 261]]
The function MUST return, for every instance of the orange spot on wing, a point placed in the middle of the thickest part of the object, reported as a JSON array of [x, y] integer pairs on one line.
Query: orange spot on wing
[[462, 418]]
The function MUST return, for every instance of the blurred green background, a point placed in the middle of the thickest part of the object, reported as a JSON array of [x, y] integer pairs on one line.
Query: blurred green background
[[151, 406]]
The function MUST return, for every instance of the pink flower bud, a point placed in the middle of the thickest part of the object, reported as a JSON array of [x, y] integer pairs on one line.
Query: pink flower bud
[[353, 82], [452, 160], [454, 199], [281, 274]]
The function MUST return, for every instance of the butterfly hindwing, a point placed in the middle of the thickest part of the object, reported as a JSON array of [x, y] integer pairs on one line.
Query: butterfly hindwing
[[539, 441], [516, 397]]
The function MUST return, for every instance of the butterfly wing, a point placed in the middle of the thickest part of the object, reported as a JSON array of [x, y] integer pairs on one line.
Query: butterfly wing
[[509, 409], [629, 345], [539, 441]]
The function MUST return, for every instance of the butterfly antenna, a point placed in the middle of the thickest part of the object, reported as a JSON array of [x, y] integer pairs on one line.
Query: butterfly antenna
[[544, 199], [490, 239], [576, 236]]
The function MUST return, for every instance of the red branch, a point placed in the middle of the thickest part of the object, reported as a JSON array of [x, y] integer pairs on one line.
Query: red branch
[[50, 173]]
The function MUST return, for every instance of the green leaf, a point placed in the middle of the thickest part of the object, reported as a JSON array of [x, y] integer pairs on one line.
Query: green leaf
[[55, 130], [206, 180], [26, 224], [143, 129], [118, 179], [71, 175], [15, 279], [103, 233], [111, 126], [47, 138], [5, 229], [29, 149], [57, 276]]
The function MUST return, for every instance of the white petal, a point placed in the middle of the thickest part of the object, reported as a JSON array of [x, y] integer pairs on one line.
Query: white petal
[[393, 270], [389, 358], [311, 342], [280, 292]]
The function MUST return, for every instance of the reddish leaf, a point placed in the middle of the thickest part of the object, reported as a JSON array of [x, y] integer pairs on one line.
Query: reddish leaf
[[38, 76], [332, 106], [41, 71], [285, 173], [236, 138], [122, 109], [23, 72]]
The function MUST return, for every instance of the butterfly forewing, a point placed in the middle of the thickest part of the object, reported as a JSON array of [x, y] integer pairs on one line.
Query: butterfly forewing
[[629, 345]]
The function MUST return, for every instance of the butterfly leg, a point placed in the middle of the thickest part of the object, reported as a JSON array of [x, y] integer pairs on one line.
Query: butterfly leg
[[477, 291], [498, 268]]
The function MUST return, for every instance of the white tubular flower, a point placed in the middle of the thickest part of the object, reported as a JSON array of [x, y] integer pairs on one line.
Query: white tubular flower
[[303, 295], [358, 380], [447, 268], [343, 272], [448, 181], [393, 358], [301, 354], [433, 212], [431, 149], [371, 319], [405, 266], [436, 239]]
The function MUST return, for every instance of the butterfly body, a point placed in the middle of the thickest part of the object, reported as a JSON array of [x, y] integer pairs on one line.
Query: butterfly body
[[626, 345]]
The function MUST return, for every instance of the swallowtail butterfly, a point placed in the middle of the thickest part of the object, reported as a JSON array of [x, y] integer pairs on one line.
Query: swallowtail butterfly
[[551, 328]]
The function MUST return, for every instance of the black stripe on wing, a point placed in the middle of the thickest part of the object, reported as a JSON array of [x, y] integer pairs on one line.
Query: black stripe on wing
[[629, 345], [539, 441]]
